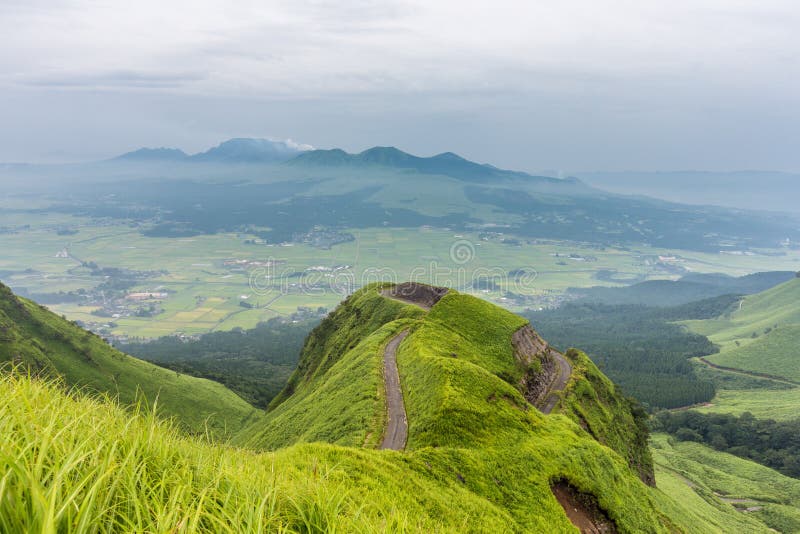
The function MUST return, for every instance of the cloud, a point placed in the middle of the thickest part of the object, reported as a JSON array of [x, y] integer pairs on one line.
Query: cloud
[[293, 145], [114, 79], [597, 77]]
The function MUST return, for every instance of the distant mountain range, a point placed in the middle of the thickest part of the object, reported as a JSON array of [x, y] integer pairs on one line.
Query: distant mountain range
[[259, 151], [290, 189], [445, 164], [237, 150]]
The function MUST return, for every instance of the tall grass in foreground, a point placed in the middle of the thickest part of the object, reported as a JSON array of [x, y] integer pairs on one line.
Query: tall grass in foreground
[[73, 464]]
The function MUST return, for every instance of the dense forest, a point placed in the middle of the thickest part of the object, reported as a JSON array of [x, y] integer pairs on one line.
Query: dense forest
[[639, 347], [254, 363], [775, 444]]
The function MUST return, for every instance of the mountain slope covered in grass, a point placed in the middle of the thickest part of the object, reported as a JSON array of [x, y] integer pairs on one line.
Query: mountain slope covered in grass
[[718, 492], [480, 455], [461, 380], [757, 366], [761, 334], [35, 339]]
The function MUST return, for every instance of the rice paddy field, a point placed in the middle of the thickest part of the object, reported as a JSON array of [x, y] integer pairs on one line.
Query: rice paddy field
[[207, 277]]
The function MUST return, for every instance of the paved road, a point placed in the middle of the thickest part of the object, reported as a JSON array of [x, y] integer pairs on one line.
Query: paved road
[[564, 372], [397, 424]]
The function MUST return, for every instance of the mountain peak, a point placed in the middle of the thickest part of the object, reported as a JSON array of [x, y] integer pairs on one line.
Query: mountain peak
[[444, 164], [252, 150], [452, 156], [154, 154], [386, 155]]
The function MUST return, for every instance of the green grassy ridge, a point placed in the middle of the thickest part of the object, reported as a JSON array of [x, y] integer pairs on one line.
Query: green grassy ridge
[[695, 477], [483, 463], [450, 368], [467, 419], [592, 400], [336, 395], [33, 337], [459, 378], [78, 464], [454, 403], [344, 406], [484, 330], [355, 318]]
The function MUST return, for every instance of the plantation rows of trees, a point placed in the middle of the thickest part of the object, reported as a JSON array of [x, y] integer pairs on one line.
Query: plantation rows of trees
[[639, 347], [254, 363], [775, 444]]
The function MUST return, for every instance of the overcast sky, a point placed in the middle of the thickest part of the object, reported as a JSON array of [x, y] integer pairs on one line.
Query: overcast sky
[[573, 84]]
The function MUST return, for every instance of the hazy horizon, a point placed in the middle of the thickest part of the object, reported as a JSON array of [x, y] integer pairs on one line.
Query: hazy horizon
[[706, 85]]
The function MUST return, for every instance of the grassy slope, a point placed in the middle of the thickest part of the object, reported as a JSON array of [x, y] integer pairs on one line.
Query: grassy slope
[[776, 306], [592, 400], [699, 479], [774, 317], [478, 456], [776, 353], [34, 337], [336, 394], [466, 423], [135, 473], [762, 403]]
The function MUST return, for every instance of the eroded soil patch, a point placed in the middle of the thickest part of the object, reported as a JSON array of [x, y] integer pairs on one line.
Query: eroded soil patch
[[422, 295], [582, 509]]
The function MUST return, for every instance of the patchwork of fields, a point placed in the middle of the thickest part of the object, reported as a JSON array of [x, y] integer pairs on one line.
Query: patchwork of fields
[[208, 277]]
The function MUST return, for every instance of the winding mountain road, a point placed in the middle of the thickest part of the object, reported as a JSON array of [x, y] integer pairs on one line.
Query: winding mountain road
[[397, 422], [558, 385]]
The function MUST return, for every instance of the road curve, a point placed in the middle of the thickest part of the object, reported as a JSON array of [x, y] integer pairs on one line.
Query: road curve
[[397, 422], [560, 382], [753, 374]]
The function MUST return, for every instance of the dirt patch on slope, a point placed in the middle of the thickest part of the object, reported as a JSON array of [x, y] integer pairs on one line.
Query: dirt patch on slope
[[422, 295], [582, 509], [542, 368]]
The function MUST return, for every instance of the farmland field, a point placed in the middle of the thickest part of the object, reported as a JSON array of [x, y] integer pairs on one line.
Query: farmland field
[[205, 293]]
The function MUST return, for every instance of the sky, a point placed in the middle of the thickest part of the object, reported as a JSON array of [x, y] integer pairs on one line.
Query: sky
[[529, 85]]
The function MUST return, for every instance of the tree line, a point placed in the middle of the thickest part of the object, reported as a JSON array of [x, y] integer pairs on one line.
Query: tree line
[[775, 444]]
